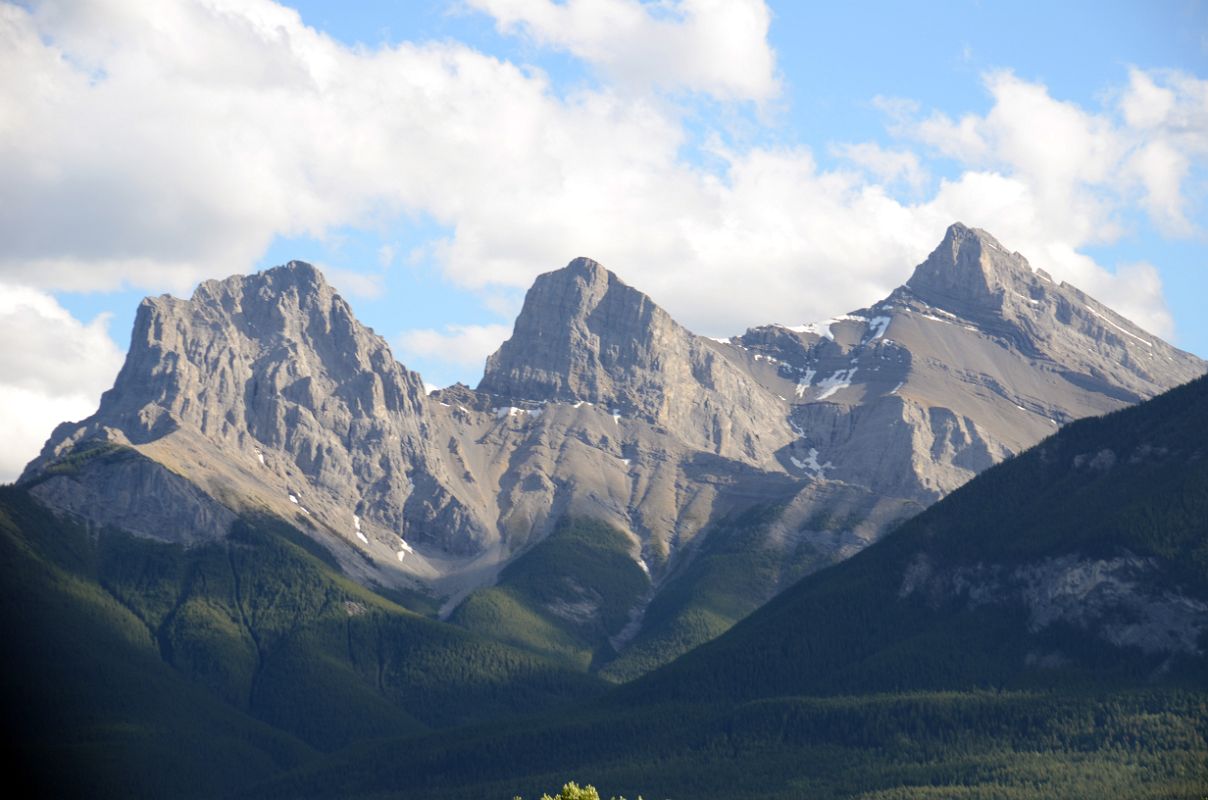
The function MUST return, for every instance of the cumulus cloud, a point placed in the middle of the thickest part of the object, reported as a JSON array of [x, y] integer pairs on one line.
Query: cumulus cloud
[[717, 47], [1048, 195], [157, 144], [462, 345], [1168, 111], [174, 141], [1062, 169], [53, 368], [885, 165], [1085, 166], [352, 283]]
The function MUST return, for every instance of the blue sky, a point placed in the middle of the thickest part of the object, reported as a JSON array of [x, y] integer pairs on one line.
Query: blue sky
[[743, 162]]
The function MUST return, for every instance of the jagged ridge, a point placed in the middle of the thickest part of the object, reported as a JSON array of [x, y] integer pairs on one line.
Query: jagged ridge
[[264, 393]]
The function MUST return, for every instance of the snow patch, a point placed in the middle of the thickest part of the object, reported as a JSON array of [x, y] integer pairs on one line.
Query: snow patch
[[1117, 327], [878, 324], [361, 536], [840, 380], [951, 321], [260, 456], [513, 411], [293, 498], [805, 382], [823, 328], [616, 416], [899, 386], [816, 328], [811, 464]]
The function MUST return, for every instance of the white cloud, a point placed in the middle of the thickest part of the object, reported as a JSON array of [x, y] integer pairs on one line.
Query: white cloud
[[1170, 122], [718, 47], [463, 345], [1062, 167], [1048, 177], [352, 283], [386, 254], [52, 368], [1161, 169], [885, 165], [1082, 168], [157, 144], [1146, 104]]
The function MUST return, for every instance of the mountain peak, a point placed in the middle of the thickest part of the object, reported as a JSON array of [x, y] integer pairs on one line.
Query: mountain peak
[[574, 320], [968, 268], [587, 268], [297, 278], [301, 272]]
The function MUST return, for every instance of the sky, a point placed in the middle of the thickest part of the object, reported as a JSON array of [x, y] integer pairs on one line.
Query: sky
[[741, 161]]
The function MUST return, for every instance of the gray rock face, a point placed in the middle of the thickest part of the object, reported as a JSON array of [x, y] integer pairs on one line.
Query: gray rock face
[[584, 336], [137, 495], [1112, 598], [263, 393], [265, 387]]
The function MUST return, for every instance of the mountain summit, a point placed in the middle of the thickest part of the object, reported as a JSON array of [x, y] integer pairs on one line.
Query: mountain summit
[[969, 269], [713, 474], [585, 336]]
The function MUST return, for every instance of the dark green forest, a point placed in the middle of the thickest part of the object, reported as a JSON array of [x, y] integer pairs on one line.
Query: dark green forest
[[133, 655], [251, 668]]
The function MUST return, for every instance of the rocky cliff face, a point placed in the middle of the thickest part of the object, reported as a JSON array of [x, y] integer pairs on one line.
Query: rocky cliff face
[[266, 393], [584, 336], [263, 393]]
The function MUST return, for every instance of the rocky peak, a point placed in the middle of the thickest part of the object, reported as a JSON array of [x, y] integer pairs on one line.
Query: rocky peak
[[584, 335], [968, 272], [588, 272], [266, 358], [292, 301], [582, 330]]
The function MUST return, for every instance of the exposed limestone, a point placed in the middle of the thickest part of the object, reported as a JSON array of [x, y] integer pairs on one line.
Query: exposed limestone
[[1103, 596]]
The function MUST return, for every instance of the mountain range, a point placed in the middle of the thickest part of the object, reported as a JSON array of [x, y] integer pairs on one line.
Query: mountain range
[[724, 470], [874, 556]]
